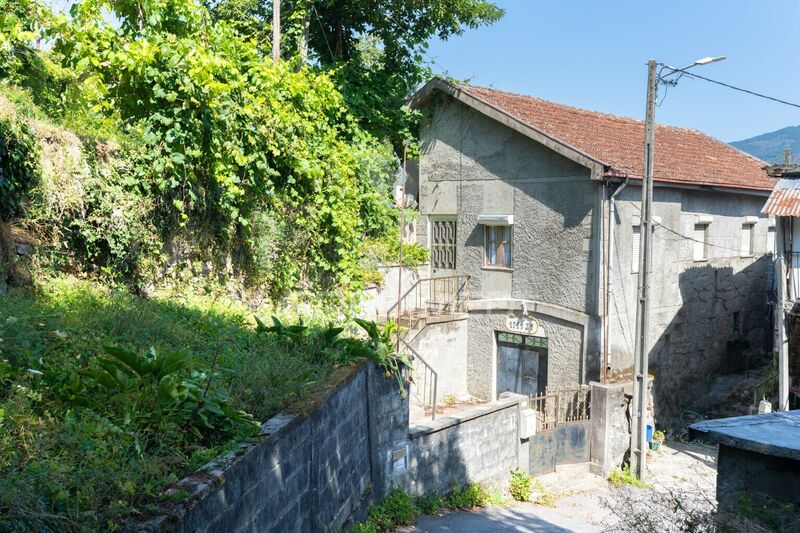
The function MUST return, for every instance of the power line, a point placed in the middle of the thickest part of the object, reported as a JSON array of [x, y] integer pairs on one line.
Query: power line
[[740, 89], [687, 237]]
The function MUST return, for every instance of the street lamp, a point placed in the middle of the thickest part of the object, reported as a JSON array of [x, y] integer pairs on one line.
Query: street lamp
[[640, 372]]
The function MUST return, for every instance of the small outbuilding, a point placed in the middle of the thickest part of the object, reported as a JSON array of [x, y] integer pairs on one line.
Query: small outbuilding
[[759, 455]]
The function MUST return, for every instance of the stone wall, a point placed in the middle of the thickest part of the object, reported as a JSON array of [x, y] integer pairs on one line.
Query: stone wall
[[307, 474], [708, 317]]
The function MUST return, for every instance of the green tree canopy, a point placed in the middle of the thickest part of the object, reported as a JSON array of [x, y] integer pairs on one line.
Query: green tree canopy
[[376, 49]]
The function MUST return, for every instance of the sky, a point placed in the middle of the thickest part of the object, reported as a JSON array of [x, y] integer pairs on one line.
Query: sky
[[593, 54]]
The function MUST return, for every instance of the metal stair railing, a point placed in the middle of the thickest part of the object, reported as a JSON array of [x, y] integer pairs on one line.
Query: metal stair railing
[[425, 387], [429, 297]]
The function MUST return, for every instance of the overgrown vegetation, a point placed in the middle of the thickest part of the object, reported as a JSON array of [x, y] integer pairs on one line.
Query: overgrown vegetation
[[623, 476], [675, 509], [399, 509], [96, 423], [152, 148], [520, 486]]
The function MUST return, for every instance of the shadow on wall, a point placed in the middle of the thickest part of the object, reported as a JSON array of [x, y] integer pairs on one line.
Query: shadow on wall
[[723, 327]]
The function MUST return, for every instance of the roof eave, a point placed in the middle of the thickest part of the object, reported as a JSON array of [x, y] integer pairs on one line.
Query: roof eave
[[423, 95], [699, 185]]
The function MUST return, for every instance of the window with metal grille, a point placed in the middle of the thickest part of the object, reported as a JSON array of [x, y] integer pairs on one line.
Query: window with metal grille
[[443, 243], [635, 244], [498, 246]]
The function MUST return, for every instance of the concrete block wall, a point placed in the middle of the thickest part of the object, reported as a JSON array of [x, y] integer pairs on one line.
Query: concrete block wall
[[480, 444], [307, 474]]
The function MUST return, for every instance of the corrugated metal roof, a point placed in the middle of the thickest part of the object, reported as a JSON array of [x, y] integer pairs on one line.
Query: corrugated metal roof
[[784, 200]]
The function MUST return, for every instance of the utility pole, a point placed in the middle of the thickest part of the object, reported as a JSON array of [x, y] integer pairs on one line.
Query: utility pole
[[640, 373], [276, 31]]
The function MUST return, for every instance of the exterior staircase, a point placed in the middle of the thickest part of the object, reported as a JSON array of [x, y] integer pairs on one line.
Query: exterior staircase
[[427, 300]]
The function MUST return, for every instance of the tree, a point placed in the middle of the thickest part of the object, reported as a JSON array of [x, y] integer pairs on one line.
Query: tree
[[375, 49]]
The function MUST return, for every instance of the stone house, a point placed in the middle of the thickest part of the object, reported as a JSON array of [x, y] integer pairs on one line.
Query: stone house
[[530, 211]]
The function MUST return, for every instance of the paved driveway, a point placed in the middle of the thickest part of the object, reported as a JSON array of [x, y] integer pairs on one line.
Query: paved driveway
[[579, 506]]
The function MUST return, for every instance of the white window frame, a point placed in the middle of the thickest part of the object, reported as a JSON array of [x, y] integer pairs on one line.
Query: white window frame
[[505, 246], [747, 240], [636, 239], [700, 254]]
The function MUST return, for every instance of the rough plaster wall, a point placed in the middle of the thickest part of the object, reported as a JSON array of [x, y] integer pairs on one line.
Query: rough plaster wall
[[472, 165], [563, 354], [693, 305], [444, 347], [376, 301]]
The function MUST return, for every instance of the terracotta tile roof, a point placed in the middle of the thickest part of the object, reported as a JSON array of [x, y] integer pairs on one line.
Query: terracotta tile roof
[[682, 155], [784, 201]]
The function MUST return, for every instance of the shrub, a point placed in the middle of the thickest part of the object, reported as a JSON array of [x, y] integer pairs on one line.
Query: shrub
[[619, 477], [543, 494], [431, 504], [19, 165], [467, 496], [520, 487], [396, 509]]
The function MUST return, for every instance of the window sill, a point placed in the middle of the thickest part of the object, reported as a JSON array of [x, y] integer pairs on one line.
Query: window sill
[[700, 260], [497, 269], [747, 256]]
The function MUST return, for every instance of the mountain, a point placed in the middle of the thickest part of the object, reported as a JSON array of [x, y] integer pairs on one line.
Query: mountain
[[769, 146]]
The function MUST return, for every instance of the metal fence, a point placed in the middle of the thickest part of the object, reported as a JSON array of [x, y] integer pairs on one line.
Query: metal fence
[[560, 405]]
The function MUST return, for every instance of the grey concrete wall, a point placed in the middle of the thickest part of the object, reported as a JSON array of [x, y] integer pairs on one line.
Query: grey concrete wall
[[480, 444], [693, 302], [564, 358], [376, 301], [313, 474], [471, 165], [757, 474], [610, 427], [443, 345]]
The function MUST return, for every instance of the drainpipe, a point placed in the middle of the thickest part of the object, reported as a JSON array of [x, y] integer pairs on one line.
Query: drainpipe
[[612, 216]]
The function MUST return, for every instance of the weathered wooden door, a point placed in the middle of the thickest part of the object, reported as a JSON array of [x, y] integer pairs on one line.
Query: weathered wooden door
[[521, 364]]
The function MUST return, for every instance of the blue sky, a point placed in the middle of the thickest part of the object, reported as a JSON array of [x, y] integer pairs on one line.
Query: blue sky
[[593, 54]]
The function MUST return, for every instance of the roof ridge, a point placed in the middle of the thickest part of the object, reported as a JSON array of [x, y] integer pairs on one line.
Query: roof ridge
[[468, 86]]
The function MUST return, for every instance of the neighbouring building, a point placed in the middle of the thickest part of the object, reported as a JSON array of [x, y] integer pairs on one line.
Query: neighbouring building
[[784, 205], [530, 211], [759, 455]]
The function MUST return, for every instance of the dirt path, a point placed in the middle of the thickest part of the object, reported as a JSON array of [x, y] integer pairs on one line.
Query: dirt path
[[580, 495]]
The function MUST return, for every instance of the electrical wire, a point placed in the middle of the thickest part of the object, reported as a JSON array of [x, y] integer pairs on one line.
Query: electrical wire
[[324, 33], [687, 237], [729, 86]]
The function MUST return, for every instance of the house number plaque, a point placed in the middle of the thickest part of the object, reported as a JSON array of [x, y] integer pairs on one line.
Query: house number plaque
[[522, 324]]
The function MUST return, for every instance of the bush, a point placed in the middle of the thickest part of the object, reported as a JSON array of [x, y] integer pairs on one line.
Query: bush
[[467, 496], [431, 504], [520, 487], [396, 509], [19, 165]]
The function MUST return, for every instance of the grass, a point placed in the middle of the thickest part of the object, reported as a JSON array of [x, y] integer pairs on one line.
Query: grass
[[69, 466], [619, 477]]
